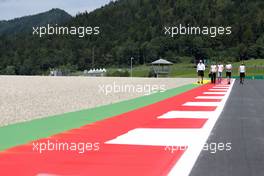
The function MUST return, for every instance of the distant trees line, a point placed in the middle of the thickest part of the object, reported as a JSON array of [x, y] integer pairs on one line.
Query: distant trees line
[[135, 29]]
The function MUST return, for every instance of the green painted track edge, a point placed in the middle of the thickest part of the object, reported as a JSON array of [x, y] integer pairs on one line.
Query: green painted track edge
[[22, 133]]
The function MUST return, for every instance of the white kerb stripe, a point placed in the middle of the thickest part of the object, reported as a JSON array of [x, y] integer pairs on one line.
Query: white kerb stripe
[[221, 87], [218, 89], [187, 114], [201, 104], [210, 97], [214, 93], [193, 138], [159, 137]]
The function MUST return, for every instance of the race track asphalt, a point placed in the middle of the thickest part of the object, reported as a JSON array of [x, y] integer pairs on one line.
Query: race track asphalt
[[241, 124]]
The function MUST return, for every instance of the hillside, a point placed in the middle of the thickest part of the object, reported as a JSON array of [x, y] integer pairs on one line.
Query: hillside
[[136, 29], [24, 24]]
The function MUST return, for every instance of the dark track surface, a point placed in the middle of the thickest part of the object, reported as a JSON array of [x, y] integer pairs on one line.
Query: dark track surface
[[242, 124]]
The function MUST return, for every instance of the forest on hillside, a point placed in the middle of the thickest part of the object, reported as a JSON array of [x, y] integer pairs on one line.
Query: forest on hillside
[[135, 28]]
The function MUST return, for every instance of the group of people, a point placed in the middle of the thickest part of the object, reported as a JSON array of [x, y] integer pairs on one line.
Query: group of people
[[216, 71]]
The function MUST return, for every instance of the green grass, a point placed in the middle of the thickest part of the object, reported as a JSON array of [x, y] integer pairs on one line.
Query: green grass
[[185, 69], [254, 67]]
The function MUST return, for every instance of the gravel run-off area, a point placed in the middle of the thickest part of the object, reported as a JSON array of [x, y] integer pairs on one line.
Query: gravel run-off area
[[24, 98]]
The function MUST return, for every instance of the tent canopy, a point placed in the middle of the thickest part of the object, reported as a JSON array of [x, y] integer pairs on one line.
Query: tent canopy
[[161, 62], [161, 67]]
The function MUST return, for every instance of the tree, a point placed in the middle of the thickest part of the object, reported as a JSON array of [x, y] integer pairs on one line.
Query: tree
[[10, 70]]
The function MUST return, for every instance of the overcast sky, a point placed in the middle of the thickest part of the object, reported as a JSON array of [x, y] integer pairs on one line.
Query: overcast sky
[[10, 9]]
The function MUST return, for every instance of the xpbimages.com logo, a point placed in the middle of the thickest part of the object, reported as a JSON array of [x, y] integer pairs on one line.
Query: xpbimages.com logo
[[79, 147], [80, 31]]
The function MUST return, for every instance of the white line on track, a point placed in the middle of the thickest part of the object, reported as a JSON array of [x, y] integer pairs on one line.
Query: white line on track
[[185, 164]]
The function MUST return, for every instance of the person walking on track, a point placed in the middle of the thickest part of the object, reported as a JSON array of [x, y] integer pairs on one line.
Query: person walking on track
[[213, 71], [200, 71], [242, 73], [228, 68], [220, 69]]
